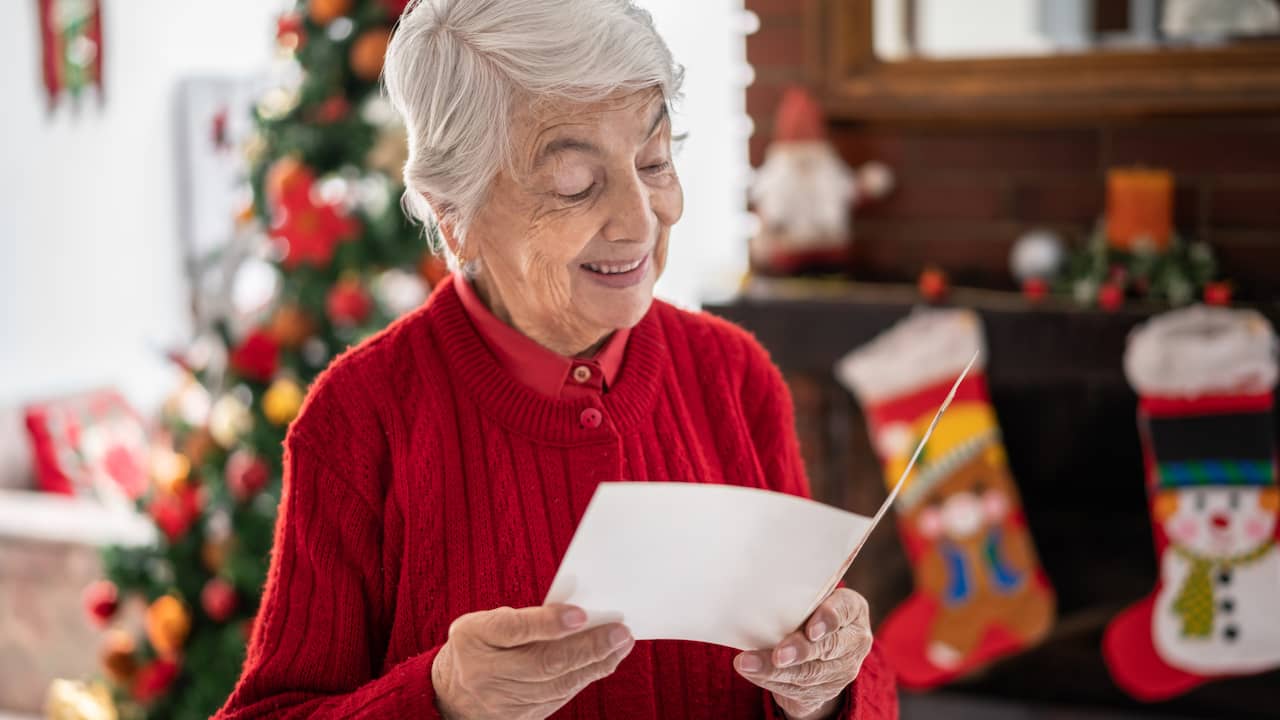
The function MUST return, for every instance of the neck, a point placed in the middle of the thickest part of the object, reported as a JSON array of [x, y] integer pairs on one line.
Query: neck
[[581, 345]]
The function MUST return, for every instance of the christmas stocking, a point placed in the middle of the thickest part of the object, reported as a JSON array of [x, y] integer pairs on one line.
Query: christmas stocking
[[1205, 378], [980, 593]]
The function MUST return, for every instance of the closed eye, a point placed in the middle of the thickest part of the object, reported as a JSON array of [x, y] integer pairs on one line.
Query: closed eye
[[660, 167], [578, 197]]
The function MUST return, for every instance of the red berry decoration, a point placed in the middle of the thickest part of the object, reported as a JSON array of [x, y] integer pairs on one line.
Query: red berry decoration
[[257, 357], [1110, 297], [246, 475], [1035, 289], [1218, 294], [101, 601], [218, 598], [348, 303], [933, 285]]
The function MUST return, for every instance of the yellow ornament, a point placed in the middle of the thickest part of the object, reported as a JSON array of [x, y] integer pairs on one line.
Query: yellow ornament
[[167, 624], [282, 401], [73, 700], [169, 469], [229, 421]]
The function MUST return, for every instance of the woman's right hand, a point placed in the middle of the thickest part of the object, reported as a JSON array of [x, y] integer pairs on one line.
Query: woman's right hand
[[523, 664]]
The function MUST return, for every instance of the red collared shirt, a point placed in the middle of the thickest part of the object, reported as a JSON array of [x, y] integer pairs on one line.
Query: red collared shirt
[[547, 372]]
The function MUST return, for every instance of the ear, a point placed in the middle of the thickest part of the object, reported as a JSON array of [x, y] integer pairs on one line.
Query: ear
[[444, 222]]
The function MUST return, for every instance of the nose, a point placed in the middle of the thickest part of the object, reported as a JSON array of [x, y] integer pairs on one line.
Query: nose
[[1220, 521], [631, 216]]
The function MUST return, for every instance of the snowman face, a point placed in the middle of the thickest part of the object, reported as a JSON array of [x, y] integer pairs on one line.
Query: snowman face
[[1219, 521]]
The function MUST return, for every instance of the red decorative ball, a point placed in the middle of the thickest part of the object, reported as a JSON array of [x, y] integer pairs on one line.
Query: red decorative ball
[[153, 680], [348, 303], [218, 598], [101, 601], [1110, 297], [1218, 294], [257, 356], [175, 513], [1035, 289], [332, 110], [246, 475], [289, 30], [933, 285]]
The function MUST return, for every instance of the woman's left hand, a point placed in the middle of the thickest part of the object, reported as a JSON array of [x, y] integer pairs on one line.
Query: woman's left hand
[[810, 668]]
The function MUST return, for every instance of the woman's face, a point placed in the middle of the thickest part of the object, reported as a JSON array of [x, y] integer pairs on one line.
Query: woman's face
[[574, 235]]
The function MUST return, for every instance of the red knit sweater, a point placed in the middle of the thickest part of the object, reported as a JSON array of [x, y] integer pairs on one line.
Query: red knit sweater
[[422, 482]]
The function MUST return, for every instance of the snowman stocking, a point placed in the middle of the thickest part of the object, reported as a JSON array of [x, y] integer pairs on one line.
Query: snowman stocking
[[980, 593], [1205, 378]]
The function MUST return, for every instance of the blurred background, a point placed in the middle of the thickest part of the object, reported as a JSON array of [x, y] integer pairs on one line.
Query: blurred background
[[203, 210]]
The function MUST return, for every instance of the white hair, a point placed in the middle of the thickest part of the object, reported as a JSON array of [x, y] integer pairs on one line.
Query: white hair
[[456, 70]]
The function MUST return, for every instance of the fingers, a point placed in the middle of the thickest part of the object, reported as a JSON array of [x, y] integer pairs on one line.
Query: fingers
[[842, 607], [556, 658], [562, 688], [837, 657], [508, 628]]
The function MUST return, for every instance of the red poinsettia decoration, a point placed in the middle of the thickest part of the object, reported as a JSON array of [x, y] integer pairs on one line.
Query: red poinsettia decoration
[[153, 679], [310, 233], [257, 357]]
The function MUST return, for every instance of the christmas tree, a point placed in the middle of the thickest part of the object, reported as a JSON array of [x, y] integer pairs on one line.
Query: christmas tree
[[324, 168]]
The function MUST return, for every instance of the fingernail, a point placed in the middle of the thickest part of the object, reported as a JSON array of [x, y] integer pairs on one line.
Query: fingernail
[[573, 618], [817, 630], [786, 655], [749, 663], [618, 637]]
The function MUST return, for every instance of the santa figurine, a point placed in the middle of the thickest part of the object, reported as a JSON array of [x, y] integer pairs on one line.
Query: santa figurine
[[804, 193]]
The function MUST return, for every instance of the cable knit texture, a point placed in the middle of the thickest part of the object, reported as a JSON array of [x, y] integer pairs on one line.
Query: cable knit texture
[[423, 482]]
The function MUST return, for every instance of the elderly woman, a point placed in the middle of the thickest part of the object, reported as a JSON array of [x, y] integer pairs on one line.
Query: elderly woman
[[435, 477]]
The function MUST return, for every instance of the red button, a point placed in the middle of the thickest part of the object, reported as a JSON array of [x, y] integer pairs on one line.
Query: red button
[[591, 418]]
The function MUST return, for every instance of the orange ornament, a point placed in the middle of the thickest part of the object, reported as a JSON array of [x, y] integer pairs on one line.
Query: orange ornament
[[933, 285], [117, 657], [289, 182], [323, 12], [214, 553], [1139, 208], [167, 625], [197, 445], [367, 53], [291, 326], [432, 268]]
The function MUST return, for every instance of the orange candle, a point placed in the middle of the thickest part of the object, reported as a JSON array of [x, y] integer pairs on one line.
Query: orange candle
[[1139, 204]]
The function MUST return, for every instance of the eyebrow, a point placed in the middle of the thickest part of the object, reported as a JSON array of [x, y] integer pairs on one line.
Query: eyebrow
[[565, 144]]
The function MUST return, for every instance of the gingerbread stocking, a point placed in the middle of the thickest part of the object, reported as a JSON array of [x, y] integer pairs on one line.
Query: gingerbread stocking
[[980, 593], [1205, 378]]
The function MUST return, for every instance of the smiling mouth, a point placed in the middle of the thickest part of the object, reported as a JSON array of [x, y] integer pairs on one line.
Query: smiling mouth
[[613, 268]]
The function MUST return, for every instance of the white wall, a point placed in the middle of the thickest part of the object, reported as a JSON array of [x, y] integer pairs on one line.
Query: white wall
[[91, 284], [90, 265]]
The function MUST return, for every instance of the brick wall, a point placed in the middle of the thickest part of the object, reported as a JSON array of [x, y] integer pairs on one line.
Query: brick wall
[[965, 193]]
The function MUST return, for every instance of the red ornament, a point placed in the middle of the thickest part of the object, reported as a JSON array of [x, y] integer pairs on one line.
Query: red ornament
[[348, 303], [310, 233], [933, 285], [101, 601], [218, 598], [394, 8], [153, 680], [289, 30], [332, 110], [1035, 289], [1218, 294], [257, 356], [1110, 296], [246, 475], [175, 513]]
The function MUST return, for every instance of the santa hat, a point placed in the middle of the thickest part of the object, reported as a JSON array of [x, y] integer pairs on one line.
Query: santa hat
[[799, 118]]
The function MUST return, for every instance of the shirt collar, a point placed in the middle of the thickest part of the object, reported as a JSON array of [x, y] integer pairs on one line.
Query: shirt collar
[[543, 370]]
